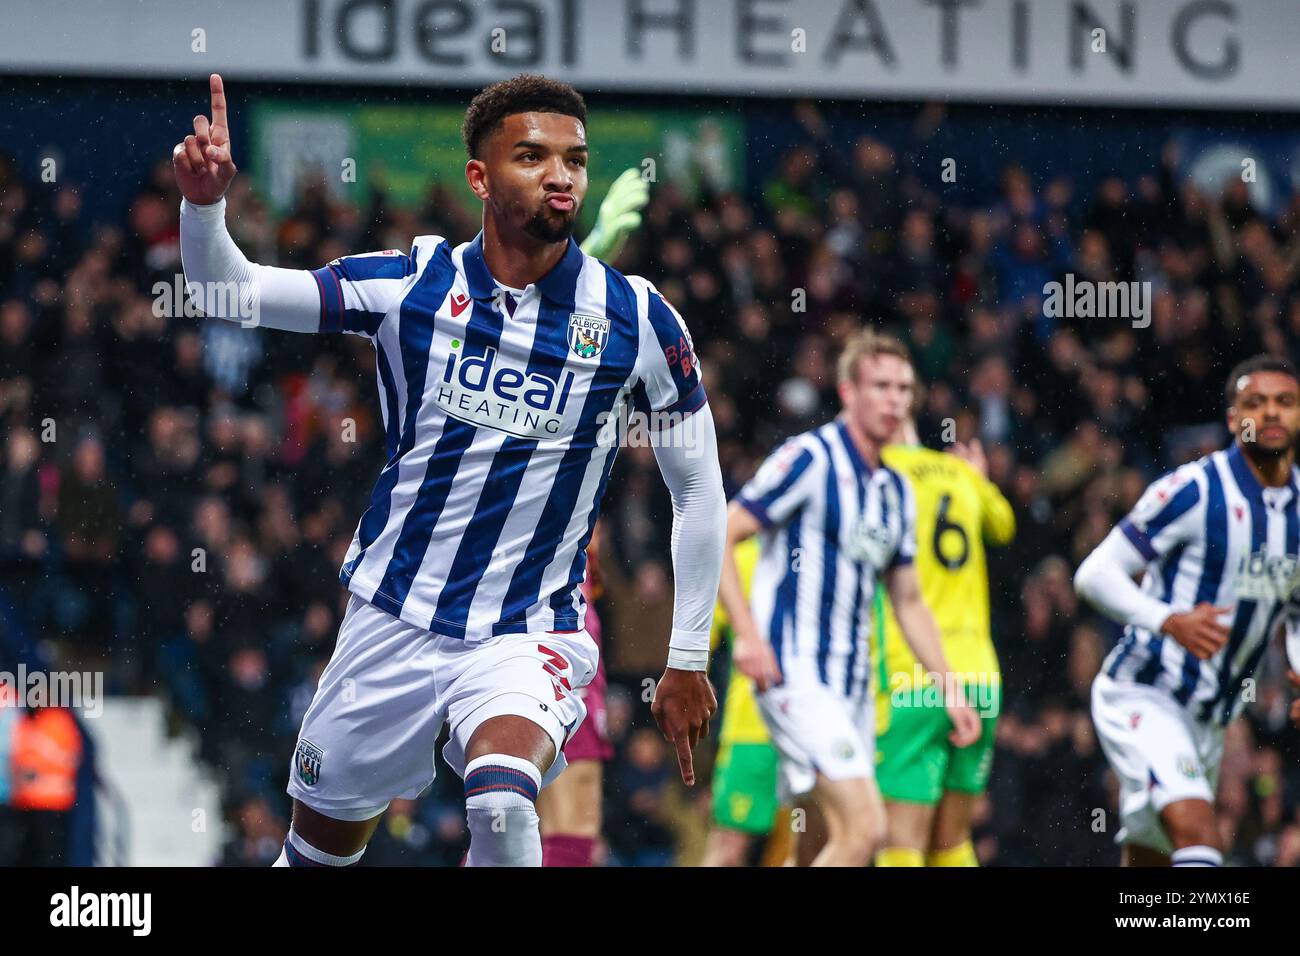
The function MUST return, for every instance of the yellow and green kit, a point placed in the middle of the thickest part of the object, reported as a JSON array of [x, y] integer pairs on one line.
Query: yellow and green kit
[[958, 511]]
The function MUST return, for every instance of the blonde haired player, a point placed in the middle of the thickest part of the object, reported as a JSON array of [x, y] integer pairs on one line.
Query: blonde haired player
[[833, 520]]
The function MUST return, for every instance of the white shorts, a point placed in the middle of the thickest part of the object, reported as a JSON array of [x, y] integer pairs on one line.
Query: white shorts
[[1158, 751], [816, 730], [369, 735]]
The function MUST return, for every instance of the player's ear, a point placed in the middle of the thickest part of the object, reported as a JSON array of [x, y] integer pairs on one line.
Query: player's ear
[[476, 176]]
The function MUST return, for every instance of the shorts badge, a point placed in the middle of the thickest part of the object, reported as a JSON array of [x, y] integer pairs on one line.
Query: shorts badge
[[308, 760]]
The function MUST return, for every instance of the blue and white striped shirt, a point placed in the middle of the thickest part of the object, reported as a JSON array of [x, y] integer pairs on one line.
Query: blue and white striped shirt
[[1211, 533], [833, 525], [498, 427]]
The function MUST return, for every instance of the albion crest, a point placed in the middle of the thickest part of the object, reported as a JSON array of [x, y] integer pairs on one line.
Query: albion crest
[[587, 334], [308, 759]]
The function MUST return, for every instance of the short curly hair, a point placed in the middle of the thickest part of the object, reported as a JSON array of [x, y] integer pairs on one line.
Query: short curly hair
[[525, 93], [1258, 363]]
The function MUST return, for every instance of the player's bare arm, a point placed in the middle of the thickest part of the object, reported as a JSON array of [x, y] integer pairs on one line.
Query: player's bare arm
[[749, 651], [922, 635]]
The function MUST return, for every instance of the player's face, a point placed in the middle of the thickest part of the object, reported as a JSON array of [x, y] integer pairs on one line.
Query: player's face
[[880, 397], [534, 174], [1265, 417]]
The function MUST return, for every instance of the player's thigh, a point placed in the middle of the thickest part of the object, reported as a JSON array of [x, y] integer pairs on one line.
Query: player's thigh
[[851, 806], [336, 837], [506, 689], [368, 735], [571, 804], [1190, 822]]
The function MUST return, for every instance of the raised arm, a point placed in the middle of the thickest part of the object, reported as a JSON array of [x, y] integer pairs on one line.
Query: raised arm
[[347, 295], [219, 279]]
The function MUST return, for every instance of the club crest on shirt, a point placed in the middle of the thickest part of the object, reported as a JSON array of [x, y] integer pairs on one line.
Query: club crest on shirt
[[587, 334], [869, 543], [308, 760]]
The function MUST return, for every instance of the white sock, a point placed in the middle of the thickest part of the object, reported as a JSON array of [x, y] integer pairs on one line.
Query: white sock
[[500, 796], [298, 852], [1197, 856]]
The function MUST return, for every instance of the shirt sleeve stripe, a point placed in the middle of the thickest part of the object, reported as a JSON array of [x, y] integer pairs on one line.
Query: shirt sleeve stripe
[[331, 299], [688, 404], [756, 509], [1181, 503], [1138, 539]]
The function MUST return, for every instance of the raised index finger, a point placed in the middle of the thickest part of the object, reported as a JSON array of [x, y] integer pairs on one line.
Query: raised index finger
[[218, 103]]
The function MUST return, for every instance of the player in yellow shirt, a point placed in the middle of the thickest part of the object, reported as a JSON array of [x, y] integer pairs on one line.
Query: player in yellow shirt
[[745, 803], [929, 785]]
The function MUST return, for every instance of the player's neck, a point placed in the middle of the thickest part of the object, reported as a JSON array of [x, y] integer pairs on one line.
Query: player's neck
[[518, 259], [868, 449], [1270, 472]]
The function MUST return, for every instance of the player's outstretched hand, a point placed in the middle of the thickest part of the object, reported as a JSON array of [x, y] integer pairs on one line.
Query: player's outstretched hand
[[202, 160], [755, 659], [965, 724], [684, 702], [973, 454], [1198, 630]]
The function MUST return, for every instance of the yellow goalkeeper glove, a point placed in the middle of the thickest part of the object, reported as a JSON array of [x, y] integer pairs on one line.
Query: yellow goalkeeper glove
[[619, 215]]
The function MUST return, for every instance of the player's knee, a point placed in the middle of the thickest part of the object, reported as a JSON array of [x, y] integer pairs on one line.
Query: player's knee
[[1190, 823], [315, 839], [511, 734], [862, 836], [500, 806], [302, 852]]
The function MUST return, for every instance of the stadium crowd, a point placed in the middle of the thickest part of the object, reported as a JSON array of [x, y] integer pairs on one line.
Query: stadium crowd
[[176, 495]]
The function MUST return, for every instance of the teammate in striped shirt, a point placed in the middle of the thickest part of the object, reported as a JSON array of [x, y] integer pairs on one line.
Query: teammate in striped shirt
[[833, 518], [1217, 543], [505, 366]]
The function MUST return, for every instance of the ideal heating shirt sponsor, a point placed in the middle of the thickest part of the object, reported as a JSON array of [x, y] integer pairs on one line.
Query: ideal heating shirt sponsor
[[484, 391]]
